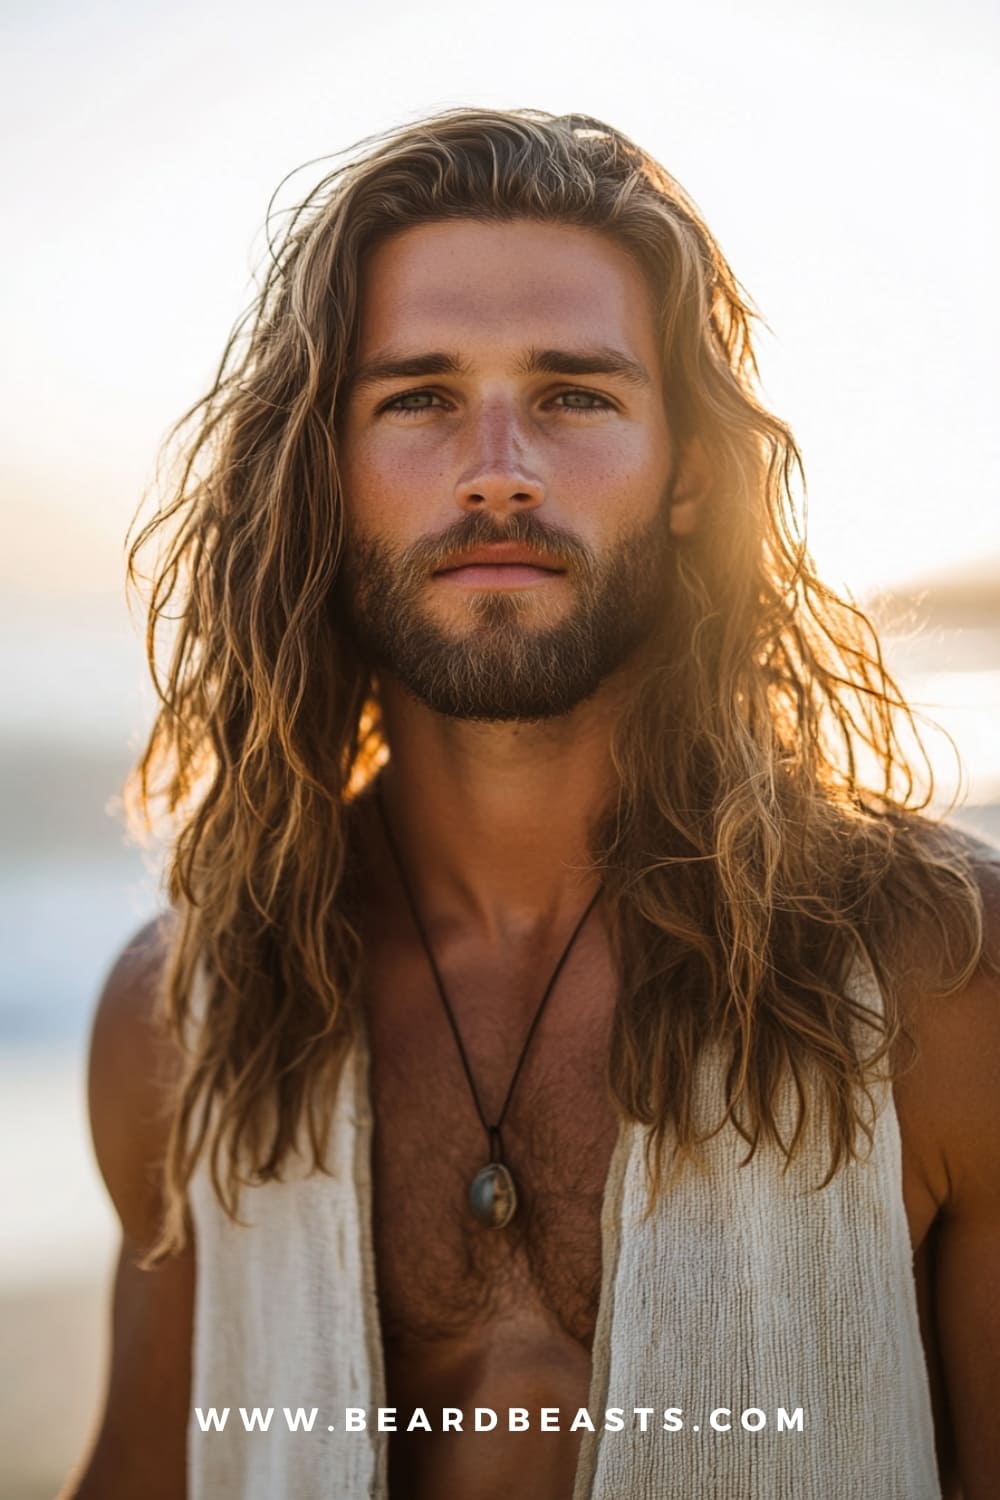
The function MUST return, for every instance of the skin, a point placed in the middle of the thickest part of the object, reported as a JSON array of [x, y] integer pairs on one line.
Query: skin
[[492, 822]]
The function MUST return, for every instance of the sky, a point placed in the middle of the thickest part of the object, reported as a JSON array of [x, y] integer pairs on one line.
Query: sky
[[842, 154]]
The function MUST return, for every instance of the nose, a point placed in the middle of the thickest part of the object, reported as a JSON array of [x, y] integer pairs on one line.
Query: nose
[[497, 476]]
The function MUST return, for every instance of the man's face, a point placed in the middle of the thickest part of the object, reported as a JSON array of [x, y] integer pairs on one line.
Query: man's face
[[506, 462]]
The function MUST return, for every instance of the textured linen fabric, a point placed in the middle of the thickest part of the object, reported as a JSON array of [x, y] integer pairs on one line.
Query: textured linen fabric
[[745, 1290], [748, 1290], [285, 1316]]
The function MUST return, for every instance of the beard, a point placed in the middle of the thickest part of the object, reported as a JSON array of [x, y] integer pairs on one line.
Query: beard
[[502, 668]]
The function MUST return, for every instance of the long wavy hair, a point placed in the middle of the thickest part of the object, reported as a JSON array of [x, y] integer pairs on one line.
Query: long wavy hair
[[770, 824]]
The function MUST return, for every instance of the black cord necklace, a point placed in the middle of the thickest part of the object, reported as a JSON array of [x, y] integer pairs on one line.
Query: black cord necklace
[[492, 1194]]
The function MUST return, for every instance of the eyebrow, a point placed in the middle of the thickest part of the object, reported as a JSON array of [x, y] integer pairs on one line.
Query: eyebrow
[[601, 361]]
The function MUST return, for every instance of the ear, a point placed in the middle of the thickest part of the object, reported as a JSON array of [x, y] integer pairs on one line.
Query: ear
[[689, 491]]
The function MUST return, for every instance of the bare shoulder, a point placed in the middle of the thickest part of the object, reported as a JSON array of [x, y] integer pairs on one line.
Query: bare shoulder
[[950, 1120], [138, 1443], [133, 1070], [949, 1099], [966, 1034]]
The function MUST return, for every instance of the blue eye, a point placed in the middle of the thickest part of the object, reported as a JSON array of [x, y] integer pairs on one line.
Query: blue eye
[[415, 403], [589, 397], [423, 398]]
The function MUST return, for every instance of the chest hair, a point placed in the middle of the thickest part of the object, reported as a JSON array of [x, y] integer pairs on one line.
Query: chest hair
[[440, 1273]]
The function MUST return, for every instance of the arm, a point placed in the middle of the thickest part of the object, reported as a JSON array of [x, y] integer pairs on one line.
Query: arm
[[960, 1039], [139, 1447]]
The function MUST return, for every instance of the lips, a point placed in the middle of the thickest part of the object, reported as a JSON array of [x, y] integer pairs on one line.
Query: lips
[[501, 555]]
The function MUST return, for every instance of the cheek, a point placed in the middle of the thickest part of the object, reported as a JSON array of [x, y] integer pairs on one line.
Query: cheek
[[619, 479], [390, 487]]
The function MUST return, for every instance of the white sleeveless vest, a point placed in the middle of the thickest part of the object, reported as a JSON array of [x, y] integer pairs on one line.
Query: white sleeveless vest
[[744, 1293]]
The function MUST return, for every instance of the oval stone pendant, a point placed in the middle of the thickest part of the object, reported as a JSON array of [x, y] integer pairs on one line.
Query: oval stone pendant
[[492, 1195]]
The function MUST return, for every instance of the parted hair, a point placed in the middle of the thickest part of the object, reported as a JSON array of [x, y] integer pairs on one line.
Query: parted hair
[[770, 825]]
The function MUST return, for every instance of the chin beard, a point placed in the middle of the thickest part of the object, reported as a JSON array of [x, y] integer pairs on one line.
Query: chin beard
[[501, 669]]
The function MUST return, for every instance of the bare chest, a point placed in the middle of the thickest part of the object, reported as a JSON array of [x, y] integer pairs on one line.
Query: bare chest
[[465, 1309], [442, 1276]]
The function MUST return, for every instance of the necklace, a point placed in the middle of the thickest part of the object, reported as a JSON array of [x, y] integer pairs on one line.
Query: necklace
[[492, 1194]]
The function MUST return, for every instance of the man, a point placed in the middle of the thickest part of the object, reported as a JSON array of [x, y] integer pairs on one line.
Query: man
[[516, 756]]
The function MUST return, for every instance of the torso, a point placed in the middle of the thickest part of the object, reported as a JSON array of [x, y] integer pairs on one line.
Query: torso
[[472, 1316], [498, 1318]]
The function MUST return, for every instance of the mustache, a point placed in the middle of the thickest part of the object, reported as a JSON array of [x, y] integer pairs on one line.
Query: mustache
[[479, 529]]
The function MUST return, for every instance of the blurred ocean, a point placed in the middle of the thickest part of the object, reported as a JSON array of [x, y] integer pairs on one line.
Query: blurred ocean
[[74, 701]]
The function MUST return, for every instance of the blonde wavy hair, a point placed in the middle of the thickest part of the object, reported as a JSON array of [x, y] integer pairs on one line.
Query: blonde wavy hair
[[769, 827]]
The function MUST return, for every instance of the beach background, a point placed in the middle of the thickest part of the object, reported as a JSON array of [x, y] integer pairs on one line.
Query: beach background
[[843, 157]]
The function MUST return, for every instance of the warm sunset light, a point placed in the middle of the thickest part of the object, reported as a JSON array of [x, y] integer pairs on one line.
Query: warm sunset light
[[845, 160]]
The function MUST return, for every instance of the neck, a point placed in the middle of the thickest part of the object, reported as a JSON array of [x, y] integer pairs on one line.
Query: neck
[[494, 820]]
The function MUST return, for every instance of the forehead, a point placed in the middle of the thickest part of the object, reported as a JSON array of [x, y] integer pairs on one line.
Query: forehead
[[464, 283]]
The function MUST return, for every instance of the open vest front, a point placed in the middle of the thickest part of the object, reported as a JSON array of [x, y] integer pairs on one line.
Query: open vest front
[[746, 1294]]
